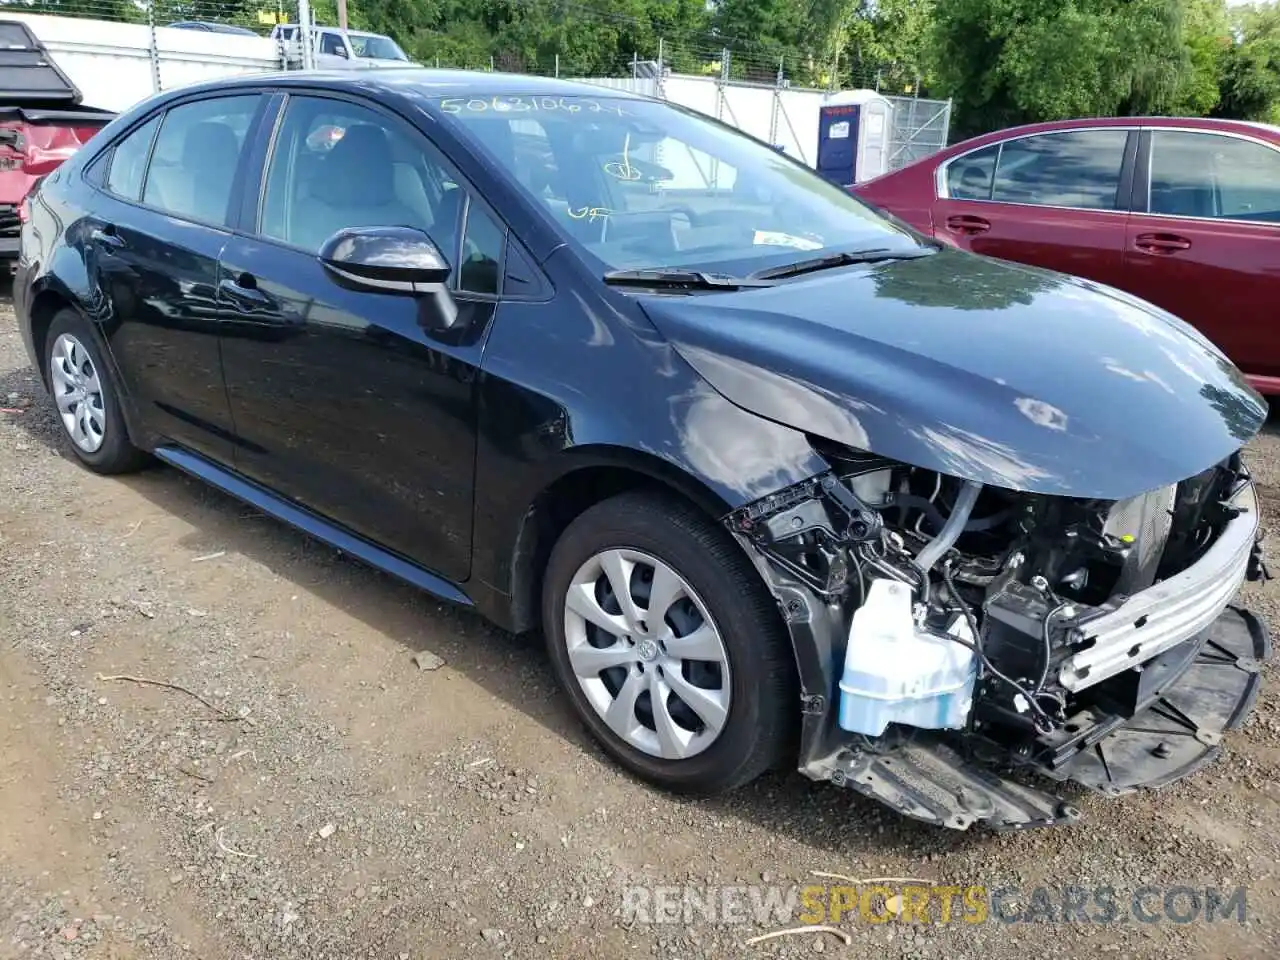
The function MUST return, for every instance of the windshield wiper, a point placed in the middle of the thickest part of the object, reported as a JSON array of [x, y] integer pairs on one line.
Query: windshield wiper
[[844, 259], [683, 280]]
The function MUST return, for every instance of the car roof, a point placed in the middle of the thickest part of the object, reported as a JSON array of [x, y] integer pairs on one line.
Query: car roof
[[415, 81], [1249, 128]]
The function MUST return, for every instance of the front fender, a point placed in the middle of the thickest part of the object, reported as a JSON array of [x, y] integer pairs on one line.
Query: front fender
[[978, 369]]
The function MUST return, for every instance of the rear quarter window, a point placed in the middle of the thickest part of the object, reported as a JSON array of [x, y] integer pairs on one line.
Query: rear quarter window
[[126, 164], [969, 177]]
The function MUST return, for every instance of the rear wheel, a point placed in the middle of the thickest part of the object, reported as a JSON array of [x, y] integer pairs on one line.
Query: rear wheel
[[86, 397], [668, 645]]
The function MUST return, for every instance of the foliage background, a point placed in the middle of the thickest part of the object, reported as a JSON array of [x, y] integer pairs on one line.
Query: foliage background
[[1001, 61]]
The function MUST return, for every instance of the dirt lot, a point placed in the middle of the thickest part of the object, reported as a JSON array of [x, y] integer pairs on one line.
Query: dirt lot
[[332, 799]]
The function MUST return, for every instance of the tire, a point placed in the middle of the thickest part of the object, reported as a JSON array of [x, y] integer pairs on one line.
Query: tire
[[719, 583], [73, 364]]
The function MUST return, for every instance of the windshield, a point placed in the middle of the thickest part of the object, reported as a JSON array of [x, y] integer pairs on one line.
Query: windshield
[[375, 47], [640, 183]]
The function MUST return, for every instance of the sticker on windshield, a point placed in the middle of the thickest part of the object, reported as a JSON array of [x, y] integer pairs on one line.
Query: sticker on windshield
[[771, 238]]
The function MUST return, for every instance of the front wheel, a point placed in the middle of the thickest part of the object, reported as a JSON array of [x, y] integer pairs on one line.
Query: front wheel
[[669, 646]]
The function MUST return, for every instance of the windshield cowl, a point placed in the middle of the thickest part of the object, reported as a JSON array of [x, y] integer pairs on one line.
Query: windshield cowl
[[681, 280]]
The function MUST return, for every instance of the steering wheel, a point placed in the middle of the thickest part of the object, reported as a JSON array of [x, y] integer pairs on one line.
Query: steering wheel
[[695, 219]]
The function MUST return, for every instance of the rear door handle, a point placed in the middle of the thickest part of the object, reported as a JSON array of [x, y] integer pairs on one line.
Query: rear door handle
[[106, 236], [1161, 244], [967, 224], [243, 291]]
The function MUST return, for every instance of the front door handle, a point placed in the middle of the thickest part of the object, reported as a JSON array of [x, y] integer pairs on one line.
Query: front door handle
[[107, 236], [243, 291], [1161, 244], [968, 224]]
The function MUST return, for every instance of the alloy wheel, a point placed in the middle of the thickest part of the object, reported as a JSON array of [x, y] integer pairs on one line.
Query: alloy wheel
[[78, 392], [647, 654]]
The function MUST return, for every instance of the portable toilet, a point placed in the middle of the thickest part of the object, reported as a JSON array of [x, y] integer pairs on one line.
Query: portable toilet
[[853, 136]]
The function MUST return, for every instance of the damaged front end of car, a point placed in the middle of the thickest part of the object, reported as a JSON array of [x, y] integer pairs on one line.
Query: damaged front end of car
[[962, 647]]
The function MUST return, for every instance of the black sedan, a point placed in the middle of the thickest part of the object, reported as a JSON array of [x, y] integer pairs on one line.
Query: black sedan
[[779, 479]]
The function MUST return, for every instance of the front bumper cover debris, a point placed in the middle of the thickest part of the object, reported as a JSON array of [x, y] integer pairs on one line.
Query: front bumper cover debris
[[1203, 689], [1159, 716], [937, 779]]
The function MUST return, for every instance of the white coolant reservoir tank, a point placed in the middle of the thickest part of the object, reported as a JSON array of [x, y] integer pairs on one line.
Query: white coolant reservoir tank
[[895, 672]]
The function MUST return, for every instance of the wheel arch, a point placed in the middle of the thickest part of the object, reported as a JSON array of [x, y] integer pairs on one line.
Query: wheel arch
[[49, 297], [45, 305], [587, 476]]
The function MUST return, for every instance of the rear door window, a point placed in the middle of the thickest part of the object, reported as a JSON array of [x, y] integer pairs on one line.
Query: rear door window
[[1208, 175], [1074, 168], [194, 163]]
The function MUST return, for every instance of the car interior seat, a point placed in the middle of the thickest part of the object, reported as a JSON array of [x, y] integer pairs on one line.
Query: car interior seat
[[974, 182], [199, 185], [355, 188], [1182, 199]]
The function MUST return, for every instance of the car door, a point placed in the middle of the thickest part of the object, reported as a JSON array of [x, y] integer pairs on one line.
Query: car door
[[1055, 200], [1204, 242], [348, 401], [152, 247], [331, 51]]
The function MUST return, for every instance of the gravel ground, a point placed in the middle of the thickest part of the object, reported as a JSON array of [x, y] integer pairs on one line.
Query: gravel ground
[[330, 798]]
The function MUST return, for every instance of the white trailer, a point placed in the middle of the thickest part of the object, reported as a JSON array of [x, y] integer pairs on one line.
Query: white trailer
[[115, 65]]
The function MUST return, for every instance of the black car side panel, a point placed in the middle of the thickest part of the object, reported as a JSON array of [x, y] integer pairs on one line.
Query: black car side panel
[[347, 402], [582, 382], [158, 276], [151, 303]]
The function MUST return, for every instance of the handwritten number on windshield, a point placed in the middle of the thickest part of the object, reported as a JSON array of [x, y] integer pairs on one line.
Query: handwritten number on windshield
[[457, 105]]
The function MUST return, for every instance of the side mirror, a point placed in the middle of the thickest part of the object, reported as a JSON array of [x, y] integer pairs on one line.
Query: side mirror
[[385, 260]]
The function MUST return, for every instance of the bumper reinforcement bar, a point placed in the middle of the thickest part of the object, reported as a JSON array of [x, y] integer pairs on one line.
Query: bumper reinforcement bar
[[1171, 612]]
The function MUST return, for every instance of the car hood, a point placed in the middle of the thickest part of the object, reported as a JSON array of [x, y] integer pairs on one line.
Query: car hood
[[977, 368]]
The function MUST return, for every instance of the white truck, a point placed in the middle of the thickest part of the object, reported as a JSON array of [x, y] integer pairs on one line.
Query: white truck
[[336, 49]]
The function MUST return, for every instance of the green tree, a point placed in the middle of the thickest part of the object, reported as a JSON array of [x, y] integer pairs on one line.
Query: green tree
[[807, 38], [1015, 61], [1251, 75], [1208, 38], [92, 9], [888, 44], [589, 36]]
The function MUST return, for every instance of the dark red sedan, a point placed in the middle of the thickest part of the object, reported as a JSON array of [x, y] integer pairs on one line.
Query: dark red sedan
[[1184, 213]]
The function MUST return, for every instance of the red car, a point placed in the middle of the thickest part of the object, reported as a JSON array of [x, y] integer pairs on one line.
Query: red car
[[42, 122], [1184, 213]]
